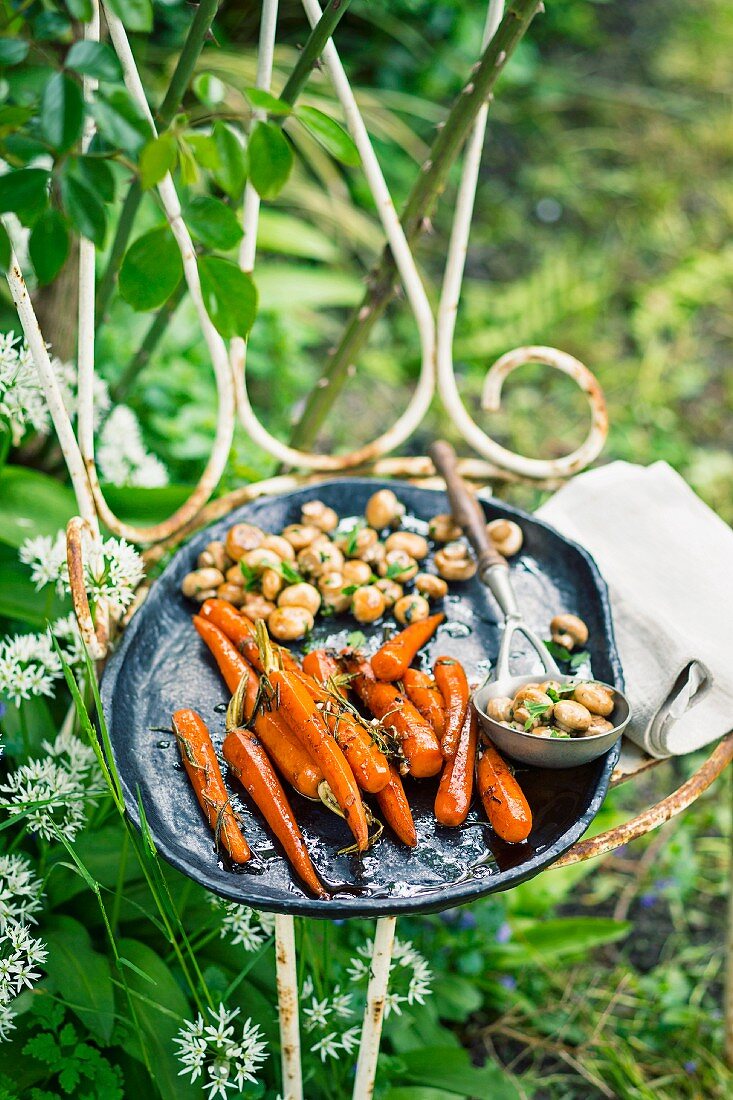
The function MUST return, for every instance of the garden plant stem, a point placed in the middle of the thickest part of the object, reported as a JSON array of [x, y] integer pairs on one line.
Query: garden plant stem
[[425, 191]]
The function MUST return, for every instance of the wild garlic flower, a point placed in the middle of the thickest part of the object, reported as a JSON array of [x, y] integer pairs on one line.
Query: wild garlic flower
[[214, 1052], [112, 568], [122, 456], [52, 791], [322, 1020], [20, 891], [66, 632], [28, 666], [240, 924], [20, 954], [22, 404], [409, 974], [67, 376]]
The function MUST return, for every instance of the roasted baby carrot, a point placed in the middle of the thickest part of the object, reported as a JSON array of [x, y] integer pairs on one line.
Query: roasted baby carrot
[[250, 765], [417, 739], [240, 630], [392, 801], [199, 760], [285, 750], [451, 679], [396, 655], [453, 800], [506, 807], [321, 665], [423, 692], [369, 765]]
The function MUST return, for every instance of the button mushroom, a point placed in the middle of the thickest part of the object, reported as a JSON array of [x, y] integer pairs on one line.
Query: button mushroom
[[595, 697], [430, 586], [454, 563], [288, 624], [532, 693], [215, 555], [279, 546], [374, 555], [234, 575], [384, 510], [256, 606], [232, 593], [241, 538], [201, 584], [322, 556], [443, 528], [500, 709], [414, 545], [300, 535], [358, 541], [391, 591], [506, 536], [572, 717], [411, 609], [271, 582], [318, 514], [300, 595], [598, 725], [331, 586], [356, 572], [568, 631], [398, 566], [368, 604], [260, 559]]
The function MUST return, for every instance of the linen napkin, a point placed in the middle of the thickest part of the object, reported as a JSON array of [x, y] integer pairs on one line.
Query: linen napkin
[[668, 561]]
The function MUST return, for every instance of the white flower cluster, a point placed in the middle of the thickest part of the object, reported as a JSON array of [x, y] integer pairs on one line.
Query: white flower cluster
[[409, 974], [52, 791], [321, 1020], [29, 665], [122, 457], [20, 953], [20, 891], [112, 568], [223, 1060], [240, 924]]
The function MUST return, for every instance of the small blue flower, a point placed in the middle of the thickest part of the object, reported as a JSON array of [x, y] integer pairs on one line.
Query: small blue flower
[[690, 1067], [648, 901], [508, 982], [467, 920], [503, 933], [341, 921]]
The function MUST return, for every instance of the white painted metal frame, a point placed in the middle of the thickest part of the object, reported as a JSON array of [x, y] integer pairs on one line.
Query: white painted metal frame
[[229, 367]]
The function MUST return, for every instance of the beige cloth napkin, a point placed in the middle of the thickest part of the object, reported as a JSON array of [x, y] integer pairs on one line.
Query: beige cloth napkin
[[668, 562]]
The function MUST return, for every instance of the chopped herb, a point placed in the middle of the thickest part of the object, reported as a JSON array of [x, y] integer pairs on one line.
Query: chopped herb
[[289, 574], [350, 589], [327, 611], [352, 541], [356, 639], [565, 689], [575, 660], [535, 710], [251, 577], [395, 570], [559, 733]]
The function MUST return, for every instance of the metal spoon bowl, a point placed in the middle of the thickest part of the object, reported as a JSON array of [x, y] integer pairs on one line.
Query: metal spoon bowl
[[547, 752], [493, 571]]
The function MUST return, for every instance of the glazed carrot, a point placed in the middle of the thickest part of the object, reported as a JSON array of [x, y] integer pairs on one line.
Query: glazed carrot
[[250, 765], [393, 803], [199, 760], [285, 750], [423, 692], [451, 679], [396, 655], [240, 630], [321, 665], [453, 800], [369, 765], [396, 712], [299, 710], [506, 807]]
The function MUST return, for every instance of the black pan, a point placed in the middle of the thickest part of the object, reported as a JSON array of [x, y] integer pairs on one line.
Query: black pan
[[161, 665]]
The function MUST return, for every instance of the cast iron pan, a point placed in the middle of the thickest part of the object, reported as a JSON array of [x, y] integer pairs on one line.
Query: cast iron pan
[[162, 665]]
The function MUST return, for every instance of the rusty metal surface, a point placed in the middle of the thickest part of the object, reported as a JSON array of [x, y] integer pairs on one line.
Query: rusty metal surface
[[656, 815]]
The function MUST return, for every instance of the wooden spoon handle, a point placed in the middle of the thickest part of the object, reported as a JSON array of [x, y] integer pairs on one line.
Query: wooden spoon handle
[[467, 511]]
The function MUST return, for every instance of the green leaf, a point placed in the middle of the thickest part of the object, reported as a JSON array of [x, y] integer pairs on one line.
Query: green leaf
[[25, 192], [213, 223], [450, 1068], [49, 246], [286, 286], [209, 89], [556, 938], [4, 249], [265, 101], [145, 506], [80, 974], [79, 9], [84, 209], [97, 175], [279, 232], [330, 135], [156, 159], [270, 159], [151, 269], [19, 599], [230, 170], [13, 51], [94, 59], [230, 296], [62, 112], [120, 121], [136, 15], [160, 1007]]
